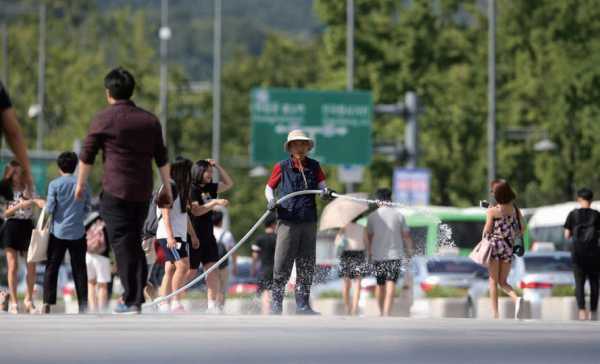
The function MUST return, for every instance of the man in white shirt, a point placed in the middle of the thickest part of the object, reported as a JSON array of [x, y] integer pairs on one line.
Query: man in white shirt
[[388, 243]]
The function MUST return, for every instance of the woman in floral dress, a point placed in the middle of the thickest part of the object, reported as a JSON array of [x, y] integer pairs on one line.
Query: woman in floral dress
[[501, 229]]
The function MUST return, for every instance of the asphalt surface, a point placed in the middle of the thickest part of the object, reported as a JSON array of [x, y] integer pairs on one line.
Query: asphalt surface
[[290, 339]]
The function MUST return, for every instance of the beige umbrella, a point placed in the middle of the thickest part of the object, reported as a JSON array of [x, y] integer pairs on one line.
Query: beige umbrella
[[340, 212]]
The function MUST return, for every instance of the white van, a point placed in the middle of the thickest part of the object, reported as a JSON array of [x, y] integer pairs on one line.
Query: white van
[[547, 224]]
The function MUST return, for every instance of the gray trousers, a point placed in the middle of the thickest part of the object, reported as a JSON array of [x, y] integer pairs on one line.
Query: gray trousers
[[296, 241]]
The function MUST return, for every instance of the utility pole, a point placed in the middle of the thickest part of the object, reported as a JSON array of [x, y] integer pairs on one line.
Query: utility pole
[[216, 137], [412, 129], [41, 79], [349, 59], [5, 54], [491, 94], [164, 35]]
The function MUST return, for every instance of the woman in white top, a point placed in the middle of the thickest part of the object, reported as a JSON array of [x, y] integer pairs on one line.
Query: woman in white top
[[353, 262], [173, 227]]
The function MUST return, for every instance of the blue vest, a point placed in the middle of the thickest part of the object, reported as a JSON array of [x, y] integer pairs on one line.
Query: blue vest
[[303, 207]]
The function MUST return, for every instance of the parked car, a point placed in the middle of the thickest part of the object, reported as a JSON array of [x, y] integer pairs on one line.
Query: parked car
[[243, 283], [536, 274], [429, 273]]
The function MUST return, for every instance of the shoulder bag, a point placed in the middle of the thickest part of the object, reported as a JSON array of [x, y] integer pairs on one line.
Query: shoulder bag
[[519, 248], [482, 252], [38, 246]]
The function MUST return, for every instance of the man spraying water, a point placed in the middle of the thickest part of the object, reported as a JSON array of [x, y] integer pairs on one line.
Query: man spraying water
[[297, 220]]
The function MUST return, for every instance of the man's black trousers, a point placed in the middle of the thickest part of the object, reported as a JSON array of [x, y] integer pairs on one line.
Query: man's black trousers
[[124, 221]]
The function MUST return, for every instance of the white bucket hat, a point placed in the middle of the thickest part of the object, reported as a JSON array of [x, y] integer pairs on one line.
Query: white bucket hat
[[298, 135]]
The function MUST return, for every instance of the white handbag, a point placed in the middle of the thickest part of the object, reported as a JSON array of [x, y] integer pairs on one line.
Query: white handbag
[[38, 247]]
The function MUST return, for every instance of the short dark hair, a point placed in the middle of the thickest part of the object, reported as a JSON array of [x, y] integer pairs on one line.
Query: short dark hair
[[217, 217], [120, 83], [502, 191], [383, 194], [67, 162], [585, 194], [270, 220]]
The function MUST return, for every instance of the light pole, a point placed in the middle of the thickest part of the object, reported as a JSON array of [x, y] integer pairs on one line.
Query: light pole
[[491, 93], [164, 34], [5, 54], [41, 78], [216, 137], [349, 59]]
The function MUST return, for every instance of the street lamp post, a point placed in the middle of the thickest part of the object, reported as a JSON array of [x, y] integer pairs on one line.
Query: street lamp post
[[216, 137], [164, 34], [491, 93], [41, 78]]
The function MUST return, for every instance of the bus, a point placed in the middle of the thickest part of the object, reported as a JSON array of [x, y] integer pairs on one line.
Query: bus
[[466, 225], [547, 224]]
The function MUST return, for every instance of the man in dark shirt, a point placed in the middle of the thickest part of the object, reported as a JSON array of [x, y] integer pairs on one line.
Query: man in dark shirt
[[129, 137], [583, 225], [16, 142], [264, 249]]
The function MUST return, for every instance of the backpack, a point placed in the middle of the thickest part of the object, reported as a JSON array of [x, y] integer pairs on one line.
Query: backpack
[[222, 251], [96, 243], [151, 222], [585, 241]]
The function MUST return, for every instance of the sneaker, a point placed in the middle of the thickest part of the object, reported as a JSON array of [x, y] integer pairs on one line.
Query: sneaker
[[126, 310], [518, 308], [178, 308], [162, 308]]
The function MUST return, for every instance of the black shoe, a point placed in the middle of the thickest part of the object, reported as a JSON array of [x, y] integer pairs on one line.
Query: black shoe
[[6, 191], [307, 311]]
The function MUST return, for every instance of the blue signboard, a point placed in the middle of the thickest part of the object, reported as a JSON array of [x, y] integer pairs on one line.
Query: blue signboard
[[412, 186]]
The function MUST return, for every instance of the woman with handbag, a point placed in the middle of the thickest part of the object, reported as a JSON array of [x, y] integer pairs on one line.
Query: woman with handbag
[[501, 228], [16, 233]]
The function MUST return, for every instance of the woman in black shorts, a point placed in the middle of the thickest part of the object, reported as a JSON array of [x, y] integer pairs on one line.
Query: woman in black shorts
[[204, 199], [16, 233], [353, 263]]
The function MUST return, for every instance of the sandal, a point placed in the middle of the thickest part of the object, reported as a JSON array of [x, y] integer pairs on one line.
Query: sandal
[[14, 309], [29, 307]]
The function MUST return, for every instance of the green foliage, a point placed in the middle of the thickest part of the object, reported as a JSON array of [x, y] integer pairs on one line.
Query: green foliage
[[444, 292], [330, 294], [547, 76], [563, 291]]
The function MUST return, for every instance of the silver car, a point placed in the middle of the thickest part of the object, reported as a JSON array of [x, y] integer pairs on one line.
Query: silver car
[[536, 274]]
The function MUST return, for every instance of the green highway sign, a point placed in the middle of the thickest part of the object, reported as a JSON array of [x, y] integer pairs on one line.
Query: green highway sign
[[339, 122]]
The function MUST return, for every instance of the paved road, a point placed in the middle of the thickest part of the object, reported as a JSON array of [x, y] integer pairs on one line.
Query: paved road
[[195, 339]]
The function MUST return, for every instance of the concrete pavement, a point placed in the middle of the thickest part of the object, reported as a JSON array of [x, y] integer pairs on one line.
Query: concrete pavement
[[290, 339]]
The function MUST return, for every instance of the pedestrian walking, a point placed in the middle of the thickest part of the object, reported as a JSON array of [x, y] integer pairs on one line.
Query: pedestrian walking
[[174, 225], [263, 250], [16, 232], [14, 138], [297, 226], [353, 263], [502, 229], [130, 138], [389, 246], [98, 264], [582, 225], [204, 199], [67, 232], [225, 242]]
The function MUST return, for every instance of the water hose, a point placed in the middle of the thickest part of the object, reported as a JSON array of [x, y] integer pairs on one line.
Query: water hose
[[226, 256]]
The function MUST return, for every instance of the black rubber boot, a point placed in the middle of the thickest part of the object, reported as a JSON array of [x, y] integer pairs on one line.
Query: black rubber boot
[[303, 302], [277, 293]]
